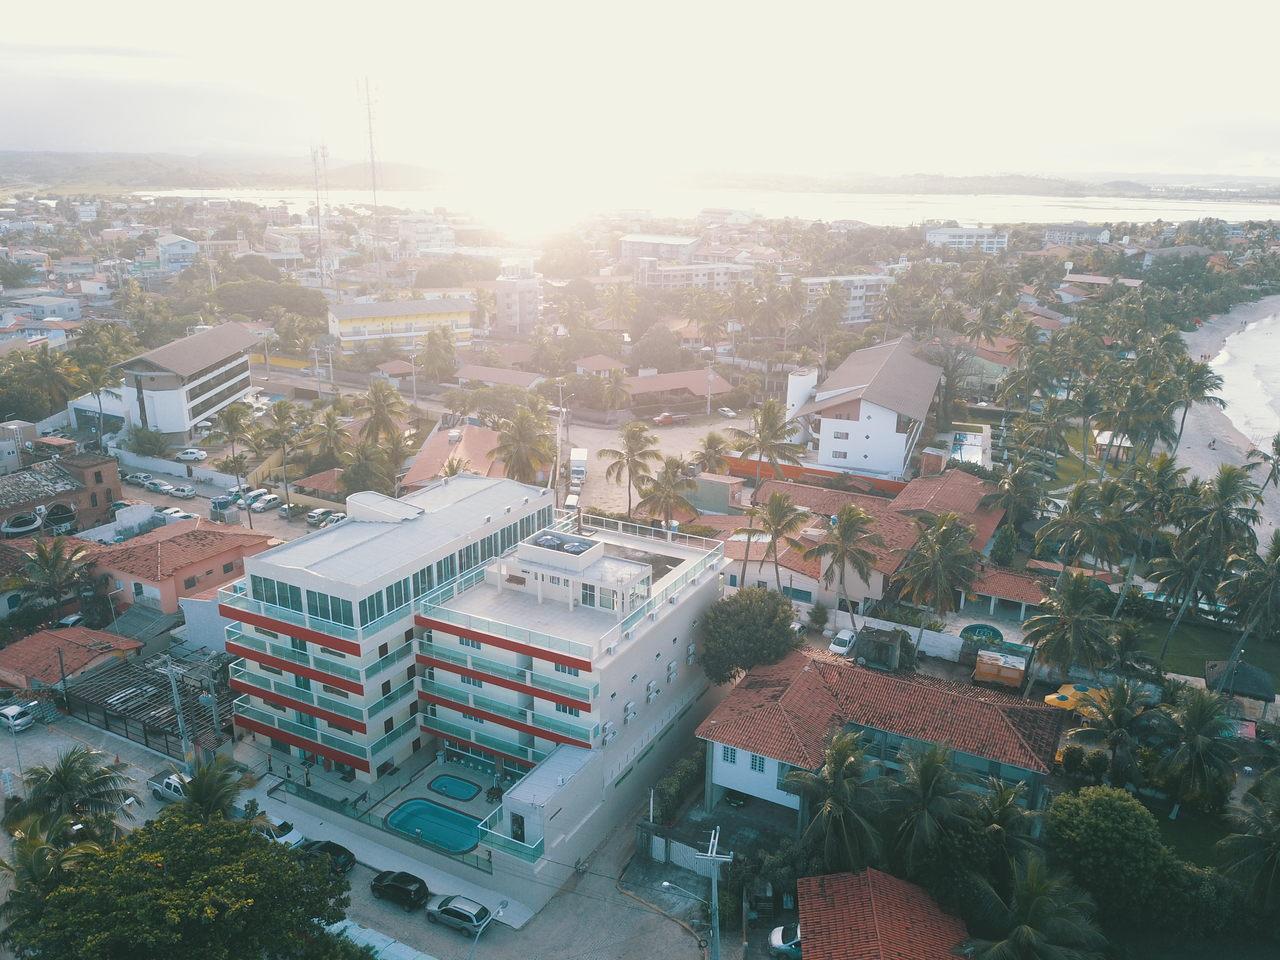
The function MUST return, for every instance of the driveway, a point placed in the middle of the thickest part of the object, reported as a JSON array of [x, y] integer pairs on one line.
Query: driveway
[[676, 441]]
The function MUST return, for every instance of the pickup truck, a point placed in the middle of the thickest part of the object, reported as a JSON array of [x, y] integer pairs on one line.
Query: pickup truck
[[168, 786]]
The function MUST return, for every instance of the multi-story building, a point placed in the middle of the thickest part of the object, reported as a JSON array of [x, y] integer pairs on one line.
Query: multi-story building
[[1070, 234], [174, 387], [517, 295], [634, 246], [424, 234], [404, 322], [718, 277], [986, 239], [175, 253], [867, 415], [863, 293]]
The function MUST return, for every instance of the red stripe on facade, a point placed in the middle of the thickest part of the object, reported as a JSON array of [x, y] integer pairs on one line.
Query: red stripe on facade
[[289, 629], [301, 706], [288, 666], [538, 653], [483, 749], [502, 721], [497, 681], [294, 741]]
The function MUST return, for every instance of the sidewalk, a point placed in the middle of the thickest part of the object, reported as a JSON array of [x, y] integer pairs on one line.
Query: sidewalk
[[335, 827]]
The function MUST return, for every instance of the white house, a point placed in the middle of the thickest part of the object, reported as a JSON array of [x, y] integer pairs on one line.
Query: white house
[[55, 308], [986, 239], [863, 293], [174, 253], [867, 415]]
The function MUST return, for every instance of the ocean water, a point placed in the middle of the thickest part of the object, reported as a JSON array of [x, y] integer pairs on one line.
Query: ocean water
[[1250, 368]]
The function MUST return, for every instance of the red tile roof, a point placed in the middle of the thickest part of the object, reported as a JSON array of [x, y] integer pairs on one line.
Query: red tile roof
[[36, 657], [476, 373], [952, 492], [475, 446], [788, 709], [1055, 568], [158, 555], [12, 562], [326, 481], [874, 916], [599, 363], [693, 381], [1008, 585]]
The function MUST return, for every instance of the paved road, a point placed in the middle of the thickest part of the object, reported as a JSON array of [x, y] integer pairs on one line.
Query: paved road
[[269, 522]]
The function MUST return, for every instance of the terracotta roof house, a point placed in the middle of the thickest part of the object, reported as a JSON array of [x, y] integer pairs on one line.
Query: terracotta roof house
[[867, 415], [953, 491], [874, 916], [598, 365], [474, 373], [678, 389], [469, 442], [780, 716], [179, 559], [34, 661], [327, 485]]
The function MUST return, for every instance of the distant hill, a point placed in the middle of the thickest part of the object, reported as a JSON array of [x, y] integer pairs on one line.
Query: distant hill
[[123, 172]]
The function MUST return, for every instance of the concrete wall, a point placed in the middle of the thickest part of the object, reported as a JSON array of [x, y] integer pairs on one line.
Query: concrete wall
[[134, 462], [873, 442]]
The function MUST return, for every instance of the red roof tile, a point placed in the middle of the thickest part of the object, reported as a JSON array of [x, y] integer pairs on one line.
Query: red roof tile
[[158, 555], [788, 709], [36, 657], [326, 481], [692, 381], [475, 445], [952, 492], [1008, 585], [874, 916]]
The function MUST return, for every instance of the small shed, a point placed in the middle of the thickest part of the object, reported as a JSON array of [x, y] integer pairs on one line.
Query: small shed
[[1246, 682]]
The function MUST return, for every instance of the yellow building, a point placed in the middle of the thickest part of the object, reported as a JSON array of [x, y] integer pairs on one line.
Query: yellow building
[[404, 321]]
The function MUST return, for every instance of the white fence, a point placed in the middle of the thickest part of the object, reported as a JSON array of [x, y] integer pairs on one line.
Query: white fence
[[944, 646], [173, 468]]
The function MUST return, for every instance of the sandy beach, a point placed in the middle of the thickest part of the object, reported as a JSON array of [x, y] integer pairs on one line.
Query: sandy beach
[[1207, 423]]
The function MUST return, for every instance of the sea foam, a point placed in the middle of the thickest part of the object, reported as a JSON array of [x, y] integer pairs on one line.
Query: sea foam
[[1249, 364]]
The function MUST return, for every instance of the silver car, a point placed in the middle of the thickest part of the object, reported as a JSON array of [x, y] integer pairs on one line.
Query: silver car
[[159, 486], [458, 912]]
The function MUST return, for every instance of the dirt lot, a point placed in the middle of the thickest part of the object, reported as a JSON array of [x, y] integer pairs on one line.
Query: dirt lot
[[674, 441]]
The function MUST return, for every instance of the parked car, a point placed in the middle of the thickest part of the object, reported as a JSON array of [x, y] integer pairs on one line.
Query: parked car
[[222, 503], [118, 505], [341, 860], [727, 412], [192, 455], [183, 515], [249, 498], [169, 786], [785, 942], [172, 511], [183, 492], [137, 479], [159, 486], [71, 620], [664, 419], [17, 717], [318, 516], [264, 503], [239, 491], [281, 831], [291, 510], [842, 643], [334, 519], [798, 628], [399, 887], [458, 912]]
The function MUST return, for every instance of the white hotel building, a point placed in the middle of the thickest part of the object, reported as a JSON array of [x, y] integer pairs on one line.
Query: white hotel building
[[863, 293], [467, 621], [985, 239]]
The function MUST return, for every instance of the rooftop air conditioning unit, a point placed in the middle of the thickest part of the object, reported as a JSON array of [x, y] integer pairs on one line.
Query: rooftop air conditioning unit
[[628, 634], [609, 737], [611, 649], [651, 686], [689, 660], [488, 518]]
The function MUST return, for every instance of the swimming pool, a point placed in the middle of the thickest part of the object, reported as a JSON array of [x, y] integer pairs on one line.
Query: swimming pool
[[966, 447], [982, 632], [455, 788], [436, 825]]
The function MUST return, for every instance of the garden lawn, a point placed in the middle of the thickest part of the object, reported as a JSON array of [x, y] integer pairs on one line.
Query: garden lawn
[[1193, 836], [1194, 643]]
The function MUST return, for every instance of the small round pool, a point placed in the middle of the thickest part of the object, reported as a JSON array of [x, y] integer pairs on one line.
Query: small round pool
[[455, 788], [435, 825], [982, 632]]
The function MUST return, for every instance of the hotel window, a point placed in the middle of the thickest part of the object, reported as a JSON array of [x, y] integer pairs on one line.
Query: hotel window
[[228, 567], [571, 711], [473, 644], [471, 681], [729, 754], [607, 599], [757, 763], [571, 671], [371, 608], [841, 435], [588, 594], [840, 455]]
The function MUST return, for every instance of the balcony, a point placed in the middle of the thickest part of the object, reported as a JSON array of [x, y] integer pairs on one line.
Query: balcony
[[301, 730], [456, 731], [387, 740], [459, 698], [244, 675], [391, 659], [235, 596], [535, 684], [282, 652], [491, 837], [391, 699]]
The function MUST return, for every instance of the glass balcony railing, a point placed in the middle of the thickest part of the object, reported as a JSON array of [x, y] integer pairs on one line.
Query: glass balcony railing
[[458, 731], [567, 688], [235, 596], [279, 650], [315, 735], [246, 675], [579, 731], [405, 689], [491, 835], [392, 658], [579, 691], [385, 741]]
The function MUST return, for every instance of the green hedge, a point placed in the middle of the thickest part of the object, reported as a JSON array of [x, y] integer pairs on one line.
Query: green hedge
[[685, 776]]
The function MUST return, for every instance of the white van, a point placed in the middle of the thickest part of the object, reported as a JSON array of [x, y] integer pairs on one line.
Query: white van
[[571, 502], [253, 495], [17, 718], [265, 503]]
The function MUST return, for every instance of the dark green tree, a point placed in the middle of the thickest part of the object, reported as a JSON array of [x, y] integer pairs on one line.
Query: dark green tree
[[749, 628]]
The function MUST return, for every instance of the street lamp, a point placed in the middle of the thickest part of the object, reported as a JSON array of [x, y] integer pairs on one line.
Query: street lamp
[[14, 731], [715, 915], [485, 926]]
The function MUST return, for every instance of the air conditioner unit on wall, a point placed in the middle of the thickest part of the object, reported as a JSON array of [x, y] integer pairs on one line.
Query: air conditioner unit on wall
[[609, 737], [652, 696]]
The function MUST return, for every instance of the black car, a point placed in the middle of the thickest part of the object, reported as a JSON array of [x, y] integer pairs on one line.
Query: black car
[[341, 860], [403, 888]]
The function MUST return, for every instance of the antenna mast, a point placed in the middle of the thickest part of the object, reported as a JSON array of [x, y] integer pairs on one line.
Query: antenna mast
[[373, 178], [315, 169]]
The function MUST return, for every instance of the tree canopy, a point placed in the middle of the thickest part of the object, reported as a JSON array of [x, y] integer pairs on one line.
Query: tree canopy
[[751, 627]]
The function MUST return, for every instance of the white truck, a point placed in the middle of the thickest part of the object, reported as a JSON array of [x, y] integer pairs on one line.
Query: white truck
[[577, 465], [169, 786]]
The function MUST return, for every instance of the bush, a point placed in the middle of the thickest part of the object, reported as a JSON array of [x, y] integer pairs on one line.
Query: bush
[[1004, 546], [907, 616], [818, 616], [1073, 760], [146, 443], [1096, 765], [751, 627], [670, 793]]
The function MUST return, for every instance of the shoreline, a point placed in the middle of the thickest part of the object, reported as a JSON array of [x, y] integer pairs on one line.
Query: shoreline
[[1207, 423]]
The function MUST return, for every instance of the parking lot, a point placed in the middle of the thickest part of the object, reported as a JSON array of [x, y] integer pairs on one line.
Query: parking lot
[[268, 522]]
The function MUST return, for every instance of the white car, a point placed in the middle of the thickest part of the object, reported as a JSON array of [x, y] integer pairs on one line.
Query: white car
[[184, 492], [192, 454], [727, 412], [159, 486], [281, 831], [842, 643], [265, 503], [173, 512]]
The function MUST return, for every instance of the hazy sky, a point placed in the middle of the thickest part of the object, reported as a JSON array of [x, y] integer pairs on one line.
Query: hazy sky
[[559, 92]]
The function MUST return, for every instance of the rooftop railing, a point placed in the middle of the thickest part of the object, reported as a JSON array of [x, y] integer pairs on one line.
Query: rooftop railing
[[236, 596], [323, 664], [491, 835]]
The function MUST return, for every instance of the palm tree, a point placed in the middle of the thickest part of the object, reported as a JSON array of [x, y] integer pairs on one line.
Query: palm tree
[[710, 454], [365, 468], [1192, 383], [1252, 594], [1115, 719], [53, 374], [526, 446], [939, 566], [930, 801], [613, 392], [80, 784], [630, 462], [1079, 528], [1043, 918], [233, 424], [847, 546], [1072, 629], [1197, 731], [56, 567], [454, 466], [99, 379], [212, 790], [1018, 493], [42, 857], [750, 533], [1002, 814], [291, 424], [780, 521], [1252, 849], [663, 493], [330, 436], [841, 802], [769, 439], [982, 324], [384, 409], [1219, 521], [1271, 458]]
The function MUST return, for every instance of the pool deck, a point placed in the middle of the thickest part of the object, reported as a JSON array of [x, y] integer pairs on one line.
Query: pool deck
[[1010, 628]]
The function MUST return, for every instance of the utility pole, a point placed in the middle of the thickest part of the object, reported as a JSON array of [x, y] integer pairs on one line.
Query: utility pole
[[315, 169], [716, 858], [373, 179], [177, 709]]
